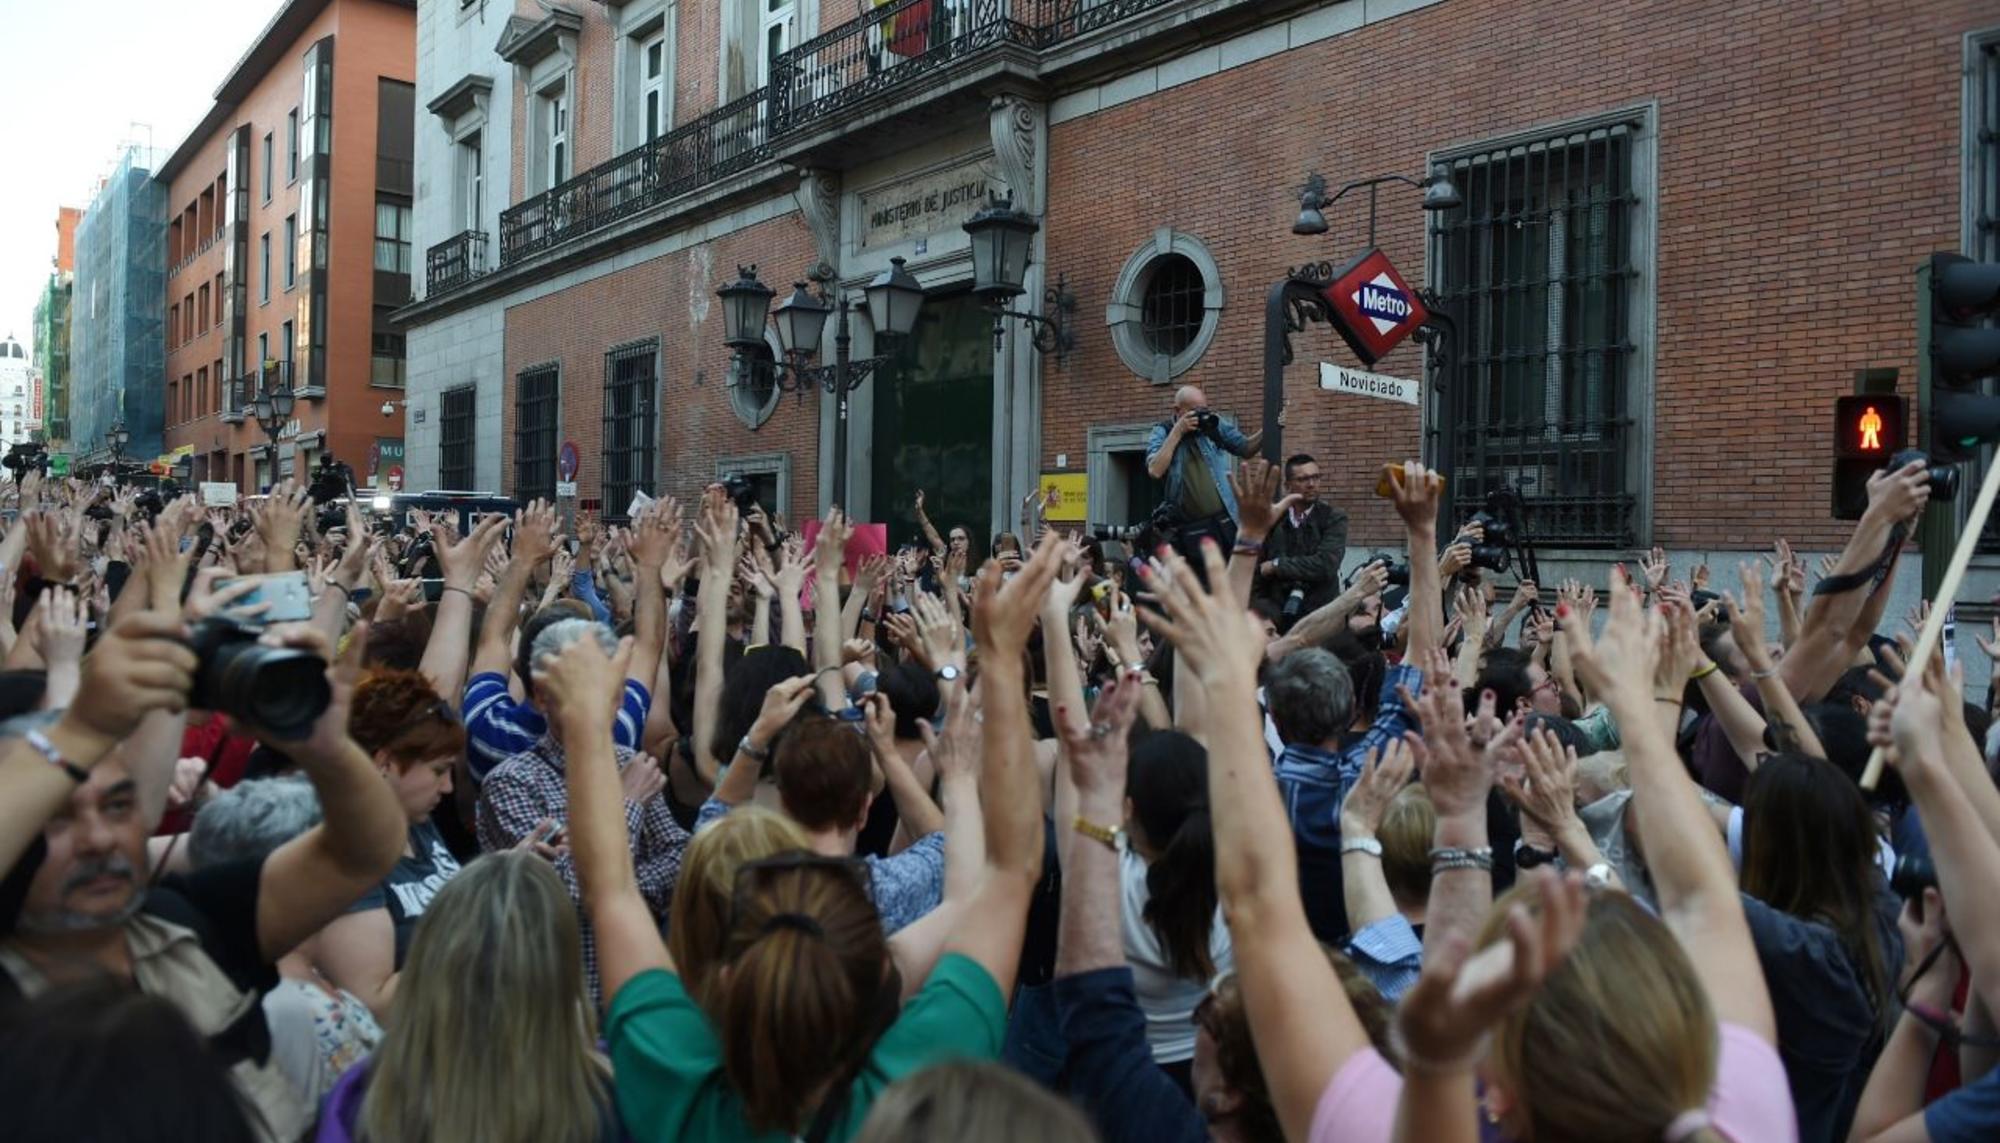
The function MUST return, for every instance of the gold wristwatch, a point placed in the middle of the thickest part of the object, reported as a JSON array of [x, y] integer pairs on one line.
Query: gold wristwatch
[[1109, 835]]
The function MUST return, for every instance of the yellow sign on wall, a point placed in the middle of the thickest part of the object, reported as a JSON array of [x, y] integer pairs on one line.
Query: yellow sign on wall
[[1069, 497]]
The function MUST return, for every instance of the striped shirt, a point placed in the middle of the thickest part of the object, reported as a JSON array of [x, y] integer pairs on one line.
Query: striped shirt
[[497, 727]]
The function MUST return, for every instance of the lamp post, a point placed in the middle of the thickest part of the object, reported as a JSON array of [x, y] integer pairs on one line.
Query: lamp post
[[273, 408], [118, 438], [1003, 242], [893, 299], [1301, 297]]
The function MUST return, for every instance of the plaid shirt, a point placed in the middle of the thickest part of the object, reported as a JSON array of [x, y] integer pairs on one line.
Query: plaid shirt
[[1314, 782], [530, 786]]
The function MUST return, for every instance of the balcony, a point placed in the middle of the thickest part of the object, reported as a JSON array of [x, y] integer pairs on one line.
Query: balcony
[[908, 58], [240, 391], [729, 139], [455, 261]]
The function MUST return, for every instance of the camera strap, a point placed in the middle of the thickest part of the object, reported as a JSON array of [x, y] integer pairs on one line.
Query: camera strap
[[1872, 575]]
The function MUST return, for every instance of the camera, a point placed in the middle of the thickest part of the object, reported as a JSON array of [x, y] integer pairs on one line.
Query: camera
[[281, 689], [332, 480], [1295, 602], [742, 492], [1399, 573], [1944, 477], [1206, 421], [1914, 873], [1491, 551]]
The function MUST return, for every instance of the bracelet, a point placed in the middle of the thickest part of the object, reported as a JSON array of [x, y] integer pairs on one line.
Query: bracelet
[[1250, 547], [753, 753], [341, 588], [1415, 1063], [1368, 845], [1704, 672], [1674, 699], [1444, 859], [53, 755], [1770, 674], [459, 590]]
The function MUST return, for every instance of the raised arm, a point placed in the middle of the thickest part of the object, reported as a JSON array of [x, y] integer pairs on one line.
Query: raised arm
[[828, 552], [1415, 491], [654, 535], [790, 580], [1330, 618], [309, 882], [1300, 1019], [534, 542], [1065, 687], [137, 668], [1692, 875], [931, 536], [1256, 516], [1834, 619], [1365, 890], [914, 809], [451, 625], [583, 686], [717, 532], [1003, 617], [1781, 708]]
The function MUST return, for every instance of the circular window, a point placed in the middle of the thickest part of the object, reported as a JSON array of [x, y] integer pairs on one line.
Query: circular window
[[753, 385], [1172, 309], [1166, 306]]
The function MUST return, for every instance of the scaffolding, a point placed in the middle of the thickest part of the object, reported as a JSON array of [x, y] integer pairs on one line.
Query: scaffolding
[[117, 343]]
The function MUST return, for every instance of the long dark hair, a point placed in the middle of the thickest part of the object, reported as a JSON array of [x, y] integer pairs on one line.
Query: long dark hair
[[1168, 784], [1809, 851], [743, 688]]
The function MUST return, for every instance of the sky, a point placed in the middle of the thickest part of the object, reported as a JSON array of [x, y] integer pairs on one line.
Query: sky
[[63, 127]]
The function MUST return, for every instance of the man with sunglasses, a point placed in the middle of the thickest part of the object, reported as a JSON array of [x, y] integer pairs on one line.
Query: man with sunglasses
[[1300, 567]]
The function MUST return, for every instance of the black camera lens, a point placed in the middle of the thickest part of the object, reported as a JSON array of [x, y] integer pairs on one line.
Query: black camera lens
[[1944, 478], [1914, 873], [1492, 557], [280, 689]]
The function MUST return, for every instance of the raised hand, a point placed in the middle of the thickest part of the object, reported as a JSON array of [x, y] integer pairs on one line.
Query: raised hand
[[1255, 488], [642, 779], [1383, 775], [55, 544], [1455, 773], [653, 535], [140, 666], [1653, 569], [717, 532], [943, 639], [1215, 637], [1443, 1021], [830, 547], [582, 683], [1097, 750], [535, 533], [1621, 659], [460, 562], [65, 618], [1545, 786], [1415, 492], [1004, 613]]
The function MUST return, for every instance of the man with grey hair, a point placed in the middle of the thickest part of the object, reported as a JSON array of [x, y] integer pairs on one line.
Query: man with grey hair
[[529, 789], [1311, 701]]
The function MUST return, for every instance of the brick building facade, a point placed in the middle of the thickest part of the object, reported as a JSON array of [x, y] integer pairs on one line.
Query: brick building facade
[[1684, 228], [289, 245]]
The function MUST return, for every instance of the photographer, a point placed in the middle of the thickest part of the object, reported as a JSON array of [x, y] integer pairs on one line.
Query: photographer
[[1301, 565], [1191, 453]]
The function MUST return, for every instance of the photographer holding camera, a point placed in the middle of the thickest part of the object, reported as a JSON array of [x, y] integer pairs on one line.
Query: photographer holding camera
[[1191, 453], [1301, 565]]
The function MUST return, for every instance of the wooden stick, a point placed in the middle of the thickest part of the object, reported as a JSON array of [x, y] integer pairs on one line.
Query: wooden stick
[[1954, 573]]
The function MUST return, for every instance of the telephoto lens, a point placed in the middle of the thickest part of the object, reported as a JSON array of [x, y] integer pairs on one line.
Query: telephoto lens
[[1914, 873]]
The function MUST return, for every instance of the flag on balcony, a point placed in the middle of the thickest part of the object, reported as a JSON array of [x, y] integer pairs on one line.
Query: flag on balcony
[[908, 32]]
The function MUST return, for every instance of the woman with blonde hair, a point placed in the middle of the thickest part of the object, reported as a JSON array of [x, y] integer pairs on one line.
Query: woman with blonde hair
[[494, 1040]]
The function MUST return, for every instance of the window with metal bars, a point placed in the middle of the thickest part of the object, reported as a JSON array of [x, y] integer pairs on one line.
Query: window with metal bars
[[630, 375], [535, 434], [1172, 305], [1539, 270], [455, 439]]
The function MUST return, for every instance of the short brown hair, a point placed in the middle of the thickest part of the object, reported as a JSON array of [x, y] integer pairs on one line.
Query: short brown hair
[[824, 773], [1405, 833]]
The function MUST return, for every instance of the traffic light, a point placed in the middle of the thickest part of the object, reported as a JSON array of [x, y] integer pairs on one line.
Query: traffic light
[[1961, 347], [1868, 429]]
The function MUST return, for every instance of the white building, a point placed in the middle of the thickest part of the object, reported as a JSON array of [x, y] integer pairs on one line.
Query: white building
[[465, 101], [20, 408]]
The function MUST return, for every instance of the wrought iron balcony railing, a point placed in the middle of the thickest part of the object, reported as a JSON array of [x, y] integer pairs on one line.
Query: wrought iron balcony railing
[[455, 261], [886, 50]]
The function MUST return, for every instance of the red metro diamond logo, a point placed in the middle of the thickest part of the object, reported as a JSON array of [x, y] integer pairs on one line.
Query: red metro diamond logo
[[1373, 308]]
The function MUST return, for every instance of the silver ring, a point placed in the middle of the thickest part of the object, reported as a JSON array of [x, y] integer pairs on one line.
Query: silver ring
[[1100, 729]]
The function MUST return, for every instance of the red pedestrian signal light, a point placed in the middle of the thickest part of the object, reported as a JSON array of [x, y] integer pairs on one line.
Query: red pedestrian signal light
[[1868, 429], [1870, 425]]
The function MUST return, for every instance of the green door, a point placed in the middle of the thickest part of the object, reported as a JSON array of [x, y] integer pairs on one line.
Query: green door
[[934, 424]]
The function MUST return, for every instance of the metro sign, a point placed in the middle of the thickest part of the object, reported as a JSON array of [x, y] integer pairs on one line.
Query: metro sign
[[1373, 307]]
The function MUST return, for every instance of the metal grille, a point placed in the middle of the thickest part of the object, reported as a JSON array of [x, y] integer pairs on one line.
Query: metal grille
[[629, 378], [1172, 309], [535, 434], [1537, 269], [455, 439]]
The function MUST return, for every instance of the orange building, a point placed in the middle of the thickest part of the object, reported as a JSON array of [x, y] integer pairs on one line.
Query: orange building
[[288, 245], [66, 219]]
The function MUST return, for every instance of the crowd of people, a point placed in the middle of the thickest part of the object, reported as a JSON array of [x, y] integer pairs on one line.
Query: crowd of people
[[318, 826]]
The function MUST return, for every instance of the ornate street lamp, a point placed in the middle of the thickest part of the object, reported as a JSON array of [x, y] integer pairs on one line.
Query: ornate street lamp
[[118, 438], [1003, 243], [893, 299]]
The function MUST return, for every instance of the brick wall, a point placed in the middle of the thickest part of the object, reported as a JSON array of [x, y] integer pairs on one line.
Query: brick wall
[[1808, 158], [672, 298]]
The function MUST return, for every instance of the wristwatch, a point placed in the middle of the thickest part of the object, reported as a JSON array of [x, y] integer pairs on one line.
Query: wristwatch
[[1111, 836], [1528, 857], [948, 673], [1367, 845]]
